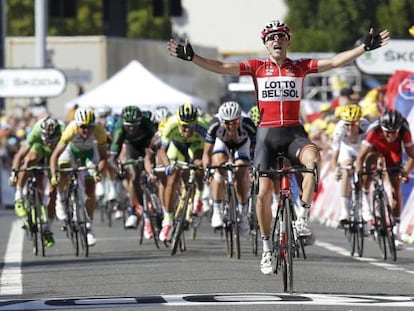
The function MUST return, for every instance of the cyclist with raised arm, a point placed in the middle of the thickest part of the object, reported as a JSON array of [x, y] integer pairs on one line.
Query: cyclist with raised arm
[[183, 140], [278, 81], [135, 134], [82, 142], [386, 138], [347, 137], [36, 150], [228, 132]]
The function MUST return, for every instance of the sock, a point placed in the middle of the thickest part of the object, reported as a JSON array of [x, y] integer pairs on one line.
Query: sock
[[266, 244], [217, 206], [18, 194]]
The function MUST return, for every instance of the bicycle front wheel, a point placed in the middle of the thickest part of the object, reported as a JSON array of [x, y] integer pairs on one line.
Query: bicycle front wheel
[[380, 234], [287, 267], [236, 217], [390, 232], [179, 221]]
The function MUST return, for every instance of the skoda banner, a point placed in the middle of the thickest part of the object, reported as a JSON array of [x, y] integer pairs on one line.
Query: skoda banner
[[42, 82], [396, 55]]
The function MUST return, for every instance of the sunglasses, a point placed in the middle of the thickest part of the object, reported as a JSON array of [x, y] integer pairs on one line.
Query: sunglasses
[[350, 123], [85, 127], [50, 140], [135, 124], [188, 126], [232, 122], [277, 36]]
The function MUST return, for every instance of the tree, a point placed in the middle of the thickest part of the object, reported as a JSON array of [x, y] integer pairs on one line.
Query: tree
[[88, 21], [335, 25]]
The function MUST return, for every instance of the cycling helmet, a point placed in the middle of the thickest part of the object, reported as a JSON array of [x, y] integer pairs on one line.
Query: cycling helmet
[[391, 120], [50, 129], [161, 113], [254, 114], [187, 114], [229, 111], [131, 114], [148, 114], [103, 111], [275, 26], [351, 113], [84, 116]]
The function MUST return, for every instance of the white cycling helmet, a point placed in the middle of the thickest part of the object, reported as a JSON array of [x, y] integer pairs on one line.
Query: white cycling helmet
[[161, 113], [275, 26], [84, 116], [229, 111]]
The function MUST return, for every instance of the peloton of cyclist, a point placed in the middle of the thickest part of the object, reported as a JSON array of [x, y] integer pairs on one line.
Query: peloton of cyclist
[[386, 138], [183, 140], [36, 150], [229, 132], [278, 81], [133, 137], [82, 142], [347, 137]]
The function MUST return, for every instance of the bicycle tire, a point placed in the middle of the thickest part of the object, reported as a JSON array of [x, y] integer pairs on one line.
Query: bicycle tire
[[380, 229], [41, 220], [390, 232], [228, 229], [35, 231], [287, 222], [153, 218], [254, 227], [179, 221], [72, 210], [236, 218], [81, 221]]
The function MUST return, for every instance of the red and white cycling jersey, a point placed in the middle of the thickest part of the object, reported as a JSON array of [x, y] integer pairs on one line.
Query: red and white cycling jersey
[[279, 89], [392, 152]]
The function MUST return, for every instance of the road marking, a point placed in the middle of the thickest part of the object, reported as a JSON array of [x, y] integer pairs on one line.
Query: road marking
[[11, 276], [207, 300], [372, 261]]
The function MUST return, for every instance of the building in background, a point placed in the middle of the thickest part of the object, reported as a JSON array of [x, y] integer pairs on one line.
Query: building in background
[[232, 26]]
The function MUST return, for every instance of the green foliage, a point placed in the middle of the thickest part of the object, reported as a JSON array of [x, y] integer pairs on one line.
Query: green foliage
[[336, 25], [89, 20]]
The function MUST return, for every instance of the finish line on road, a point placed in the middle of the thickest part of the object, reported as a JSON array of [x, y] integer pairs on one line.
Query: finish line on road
[[206, 300]]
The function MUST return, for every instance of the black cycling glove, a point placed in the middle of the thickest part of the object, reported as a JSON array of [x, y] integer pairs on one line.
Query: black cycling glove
[[372, 42], [185, 52]]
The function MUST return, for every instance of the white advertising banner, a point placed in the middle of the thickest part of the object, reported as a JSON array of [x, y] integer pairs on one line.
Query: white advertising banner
[[46, 82], [396, 55]]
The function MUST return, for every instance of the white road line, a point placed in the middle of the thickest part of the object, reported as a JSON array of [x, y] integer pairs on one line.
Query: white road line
[[372, 261], [11, 276]]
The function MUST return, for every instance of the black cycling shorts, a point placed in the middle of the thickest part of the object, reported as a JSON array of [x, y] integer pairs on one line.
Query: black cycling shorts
[[270, 142]]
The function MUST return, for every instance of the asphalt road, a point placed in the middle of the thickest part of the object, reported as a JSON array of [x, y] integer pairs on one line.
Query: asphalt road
[[123, 275]]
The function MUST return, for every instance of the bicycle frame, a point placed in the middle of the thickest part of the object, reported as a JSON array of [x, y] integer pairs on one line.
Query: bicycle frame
[[77, 217], [383, 219], [183, 215], [286, 242], [354, 231], [36, 217]]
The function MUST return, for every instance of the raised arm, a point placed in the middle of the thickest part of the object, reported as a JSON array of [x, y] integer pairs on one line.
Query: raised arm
[[187, 53], [372, 42]]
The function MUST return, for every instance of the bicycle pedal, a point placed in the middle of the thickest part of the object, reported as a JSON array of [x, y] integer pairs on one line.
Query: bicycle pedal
[[63, 228]]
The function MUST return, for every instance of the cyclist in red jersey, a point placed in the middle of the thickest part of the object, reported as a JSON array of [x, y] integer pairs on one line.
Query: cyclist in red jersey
[[386, 138], [278, 81]]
